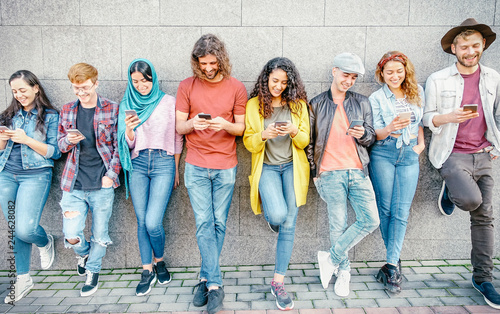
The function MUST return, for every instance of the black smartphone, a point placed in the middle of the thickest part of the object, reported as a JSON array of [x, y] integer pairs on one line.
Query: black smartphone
[[205, 116], [279, 124], [353, 124]]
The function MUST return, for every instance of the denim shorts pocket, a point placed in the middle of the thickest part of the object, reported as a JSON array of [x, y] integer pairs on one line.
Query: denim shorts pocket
[[164, 154]]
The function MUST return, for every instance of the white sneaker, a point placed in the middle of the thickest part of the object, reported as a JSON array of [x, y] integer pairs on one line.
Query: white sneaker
[[23, 285], [326, 268], [47, 253], [342, 284]]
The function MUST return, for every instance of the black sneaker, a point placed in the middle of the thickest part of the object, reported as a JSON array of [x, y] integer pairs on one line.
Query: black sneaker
[[389, 276], [148, 279], [201, 295], [162, 273], [274, 228], [283, 300], [446, 206], [91, 284], [215, 298], [80, 267], [489, 293]]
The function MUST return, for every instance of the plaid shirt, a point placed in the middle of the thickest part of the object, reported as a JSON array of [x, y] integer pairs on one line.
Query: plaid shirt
[[105, 123]]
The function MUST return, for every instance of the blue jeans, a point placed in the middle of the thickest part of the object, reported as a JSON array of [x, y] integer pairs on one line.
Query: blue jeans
[[151, 183], [394, 173], [278, 201], [335, 188], [100, 202], [210, 192], [25, 195]]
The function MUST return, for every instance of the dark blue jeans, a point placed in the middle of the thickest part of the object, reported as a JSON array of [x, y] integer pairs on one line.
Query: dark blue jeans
[[27, 194], [151, 183]]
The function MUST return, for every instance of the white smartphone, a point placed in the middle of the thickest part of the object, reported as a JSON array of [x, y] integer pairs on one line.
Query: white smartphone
[[130, 113], [405, 115], [4, 128], [75, 131]]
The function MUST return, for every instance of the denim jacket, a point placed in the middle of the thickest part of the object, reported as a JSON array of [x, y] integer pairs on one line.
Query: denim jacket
[[443, 93], [383, 104], [30, 158]]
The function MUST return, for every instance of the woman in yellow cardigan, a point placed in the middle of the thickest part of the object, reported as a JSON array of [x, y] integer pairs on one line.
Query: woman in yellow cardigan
[[277, 131]]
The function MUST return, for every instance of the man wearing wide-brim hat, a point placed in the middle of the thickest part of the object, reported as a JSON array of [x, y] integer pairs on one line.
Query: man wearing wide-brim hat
[[462, 111]]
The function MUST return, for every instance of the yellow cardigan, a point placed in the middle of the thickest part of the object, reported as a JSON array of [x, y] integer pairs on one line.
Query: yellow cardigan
[[252, 139]]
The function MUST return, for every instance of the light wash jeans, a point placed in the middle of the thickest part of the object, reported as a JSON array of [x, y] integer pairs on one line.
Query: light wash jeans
[[278, 201], [335, 188], [210, 192], [151, 183], [26, 196], [100, 203], [394, 173]]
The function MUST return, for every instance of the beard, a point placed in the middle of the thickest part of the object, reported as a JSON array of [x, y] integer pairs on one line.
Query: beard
[[212, 75], [463, 60]]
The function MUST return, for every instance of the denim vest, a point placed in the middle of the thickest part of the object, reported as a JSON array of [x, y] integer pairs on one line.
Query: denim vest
[[383, 104], [30, 158]]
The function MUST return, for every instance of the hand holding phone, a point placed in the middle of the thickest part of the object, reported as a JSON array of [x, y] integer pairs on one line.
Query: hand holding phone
[[75, 136], [205, 116], [130, 113], [353, 124], [279, 124], [470, 107], [404, 115]]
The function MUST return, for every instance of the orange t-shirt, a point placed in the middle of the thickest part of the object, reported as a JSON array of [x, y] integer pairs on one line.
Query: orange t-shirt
[[207, 148], [340, 151]]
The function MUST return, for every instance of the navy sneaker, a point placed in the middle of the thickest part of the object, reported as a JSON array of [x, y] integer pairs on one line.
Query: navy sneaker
[[446, 206], [489, 293], [215, 298], [274, 228], [201, 294], [162, 273]]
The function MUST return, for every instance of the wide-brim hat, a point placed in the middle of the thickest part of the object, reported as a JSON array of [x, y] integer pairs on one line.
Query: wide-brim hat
[[469, 23]]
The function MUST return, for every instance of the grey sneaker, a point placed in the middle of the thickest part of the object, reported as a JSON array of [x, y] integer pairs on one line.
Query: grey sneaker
[[80, 267], [91, 284], [201, 295], [23, 285], [47, 253], [215, 298], [283, 300]]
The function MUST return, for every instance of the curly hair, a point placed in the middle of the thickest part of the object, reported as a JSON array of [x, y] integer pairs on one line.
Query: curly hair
[[410, 84], [293, 93], [41, 102], [209, 44]]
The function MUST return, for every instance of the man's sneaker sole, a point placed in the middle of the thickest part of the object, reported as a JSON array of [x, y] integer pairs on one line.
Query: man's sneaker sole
[[493, 305], [90, 292], [52, 249], [149, 289], [288, 308], [165, 282], [441, 194]]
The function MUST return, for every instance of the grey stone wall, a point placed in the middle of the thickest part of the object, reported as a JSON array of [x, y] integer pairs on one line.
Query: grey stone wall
[[48, 36]]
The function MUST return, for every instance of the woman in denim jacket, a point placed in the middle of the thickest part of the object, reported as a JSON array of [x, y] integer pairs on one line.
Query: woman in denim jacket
[[394, 167], [28, 148]]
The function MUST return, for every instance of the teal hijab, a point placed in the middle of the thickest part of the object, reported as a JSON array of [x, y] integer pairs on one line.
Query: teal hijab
[[144, 105]]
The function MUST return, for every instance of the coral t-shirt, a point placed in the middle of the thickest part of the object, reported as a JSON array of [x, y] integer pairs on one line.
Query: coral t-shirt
[[340, 151], [226, 98]]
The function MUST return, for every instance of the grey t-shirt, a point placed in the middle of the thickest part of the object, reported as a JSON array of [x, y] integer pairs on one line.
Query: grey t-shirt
[[279, 149]]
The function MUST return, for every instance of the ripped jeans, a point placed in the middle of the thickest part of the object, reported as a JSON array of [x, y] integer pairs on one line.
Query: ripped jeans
[[100, 203]]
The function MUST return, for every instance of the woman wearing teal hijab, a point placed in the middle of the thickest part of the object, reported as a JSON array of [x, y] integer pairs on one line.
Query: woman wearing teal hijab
[[150, 150]]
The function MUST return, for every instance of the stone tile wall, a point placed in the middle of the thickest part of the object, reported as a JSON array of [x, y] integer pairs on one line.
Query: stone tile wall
[[48, 36]]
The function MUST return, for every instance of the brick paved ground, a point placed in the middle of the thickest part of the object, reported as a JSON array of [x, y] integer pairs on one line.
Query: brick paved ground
[[438, 286]]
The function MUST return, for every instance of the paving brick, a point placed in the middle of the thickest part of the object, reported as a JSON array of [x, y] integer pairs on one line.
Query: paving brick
[[53, 309], [318, 295], [301, 266], [47, 301], [113, 308], [434, 263], [268, 267], [386, 302], [298, 287], [373, 285], [250, 297], [433, 292], [24, 309], [449, 309], [311, 272], [173, 307], [315, 311], [49, 272], [418, 277], [463, 292], [180, 290], [250, 281], [236, 305], [457, 301], [440, 284], [480, 309], [178, 276], [249, 267], [115, 284], [426, 270], [242, 274], [104, 300], [237, 289], [356, 265], [262, 305], [415, 310], [131, 277], [62, 285], [413, 285], [449, 277], [374, 294], [122, 291], [382, 310], [75, 300], [454, 269], [230, 281], [133, 299], [163, 298], [189, 283], [67, 293], [360, 303], [464, 262], [109, 277], [368, 271], [41, 293], [262, 273], [410, 263], [305, 279], [56, 279], [305, 304], [363, 278], [348, 311], [424, 301], [375, 264], [145, 307], [92, 308]]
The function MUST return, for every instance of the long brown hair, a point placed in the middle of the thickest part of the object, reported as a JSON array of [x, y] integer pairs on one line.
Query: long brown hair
[[209, 44], [41, 102], [293, 93]]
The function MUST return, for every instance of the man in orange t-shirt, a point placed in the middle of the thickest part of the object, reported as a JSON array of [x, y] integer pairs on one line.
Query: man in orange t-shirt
[[210, 111], [341, 130]]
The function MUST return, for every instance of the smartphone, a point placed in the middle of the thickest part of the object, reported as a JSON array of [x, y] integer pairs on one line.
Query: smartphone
[[75, 131], [279, 124], [205, 116], [405, 115], [470, 107], [4, 128], [130, 113], [353, 124]]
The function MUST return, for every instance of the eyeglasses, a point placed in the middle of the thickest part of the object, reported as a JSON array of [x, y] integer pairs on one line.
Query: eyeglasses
[[84, 88]]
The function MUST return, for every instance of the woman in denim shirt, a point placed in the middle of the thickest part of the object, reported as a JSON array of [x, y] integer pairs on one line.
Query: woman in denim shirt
[[394, 167], [27, 152]]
